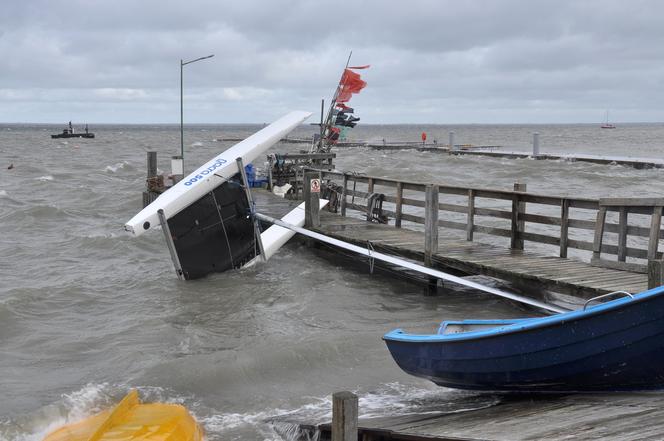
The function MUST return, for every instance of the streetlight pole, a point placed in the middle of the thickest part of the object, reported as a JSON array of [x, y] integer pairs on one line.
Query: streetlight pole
[[182, 65]]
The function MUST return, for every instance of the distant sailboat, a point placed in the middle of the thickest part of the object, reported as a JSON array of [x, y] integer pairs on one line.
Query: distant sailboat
[[606, 124]]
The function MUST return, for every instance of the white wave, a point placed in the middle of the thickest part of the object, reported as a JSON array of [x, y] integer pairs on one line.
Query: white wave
[[115, 167], [3, 194], [45, 178], [91, 399], [197, 144]]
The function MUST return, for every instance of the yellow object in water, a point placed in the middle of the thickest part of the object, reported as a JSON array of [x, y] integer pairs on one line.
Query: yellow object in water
[[132, 421]]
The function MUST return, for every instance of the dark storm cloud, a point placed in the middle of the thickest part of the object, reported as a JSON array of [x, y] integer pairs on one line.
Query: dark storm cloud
[[445, 61]]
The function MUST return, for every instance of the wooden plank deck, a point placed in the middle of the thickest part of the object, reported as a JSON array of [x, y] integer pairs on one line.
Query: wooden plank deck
[[526, 268], [525, 418]]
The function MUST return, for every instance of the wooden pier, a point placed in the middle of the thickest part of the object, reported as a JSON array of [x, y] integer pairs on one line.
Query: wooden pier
[[577, 246], [617, 417]]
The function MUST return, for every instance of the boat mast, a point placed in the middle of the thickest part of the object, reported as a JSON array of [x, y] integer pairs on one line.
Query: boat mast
[[328, 119]]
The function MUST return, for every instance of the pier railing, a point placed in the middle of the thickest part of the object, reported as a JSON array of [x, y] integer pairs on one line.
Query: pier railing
[[626, 230]]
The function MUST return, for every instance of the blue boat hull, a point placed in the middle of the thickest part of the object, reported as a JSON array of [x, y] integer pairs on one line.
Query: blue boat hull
[[616, 346]]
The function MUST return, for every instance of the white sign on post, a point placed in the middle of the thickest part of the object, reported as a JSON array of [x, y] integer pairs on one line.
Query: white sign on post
[[315, 185]]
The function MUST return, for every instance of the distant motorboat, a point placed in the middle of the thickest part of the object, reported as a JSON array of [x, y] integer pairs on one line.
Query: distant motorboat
[[70, 133]]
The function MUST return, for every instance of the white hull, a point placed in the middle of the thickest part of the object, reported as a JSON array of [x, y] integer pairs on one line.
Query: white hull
[[275, 237], [213, 173]]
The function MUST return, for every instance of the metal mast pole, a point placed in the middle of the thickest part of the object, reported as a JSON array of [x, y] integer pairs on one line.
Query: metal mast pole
[[182, 65], [181, 117]]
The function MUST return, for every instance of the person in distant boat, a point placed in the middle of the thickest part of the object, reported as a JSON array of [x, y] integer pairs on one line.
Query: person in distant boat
[[71, 129], [86, 128]]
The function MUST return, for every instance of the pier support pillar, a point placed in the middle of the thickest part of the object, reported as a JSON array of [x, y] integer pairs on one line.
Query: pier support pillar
[[431, 232], [152, 180], [655, 273], [518, 224], [536, 147], [152, 164], [344, 416], [177, 169], [311, 192]]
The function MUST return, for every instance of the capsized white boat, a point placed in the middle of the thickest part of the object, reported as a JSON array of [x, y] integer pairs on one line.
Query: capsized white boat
[[207, 218], [213, 173]]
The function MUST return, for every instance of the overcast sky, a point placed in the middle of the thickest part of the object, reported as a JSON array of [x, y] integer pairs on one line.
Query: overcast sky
[[507, 61]]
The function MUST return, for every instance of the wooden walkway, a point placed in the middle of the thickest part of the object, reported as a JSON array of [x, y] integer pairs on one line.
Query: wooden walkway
[[616, 417], [438, 225], [526, 268]]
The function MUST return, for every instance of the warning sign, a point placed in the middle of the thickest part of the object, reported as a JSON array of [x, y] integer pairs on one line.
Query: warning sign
[[315, 185]]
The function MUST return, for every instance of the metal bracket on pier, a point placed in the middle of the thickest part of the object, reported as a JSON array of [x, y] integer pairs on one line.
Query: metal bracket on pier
[[252, 208], [170, 244]]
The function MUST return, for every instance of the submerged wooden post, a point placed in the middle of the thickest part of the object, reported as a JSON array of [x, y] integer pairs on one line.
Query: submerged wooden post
[[518, 224], [311, 191], [344, 416], [430, 223], [655, 273]]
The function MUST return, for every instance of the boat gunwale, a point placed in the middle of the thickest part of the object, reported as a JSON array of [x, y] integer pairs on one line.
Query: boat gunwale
[[524, 325]]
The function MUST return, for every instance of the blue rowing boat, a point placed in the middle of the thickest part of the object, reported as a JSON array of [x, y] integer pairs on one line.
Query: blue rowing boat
[[613, 346]]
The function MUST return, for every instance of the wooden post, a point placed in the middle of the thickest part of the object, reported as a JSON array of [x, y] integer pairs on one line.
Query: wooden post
[[152, 164], [599, 234], [399, 205], [148, 195], [518, 224], [430, 223], [343, 195], [655, 225], [622, 235], [370, 186], [344, 416], [564, 227], [655, 273], [311, 201], [470, 223], [270, 183]]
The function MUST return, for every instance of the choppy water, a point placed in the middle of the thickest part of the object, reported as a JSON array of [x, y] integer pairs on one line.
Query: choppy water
[[87, 312]]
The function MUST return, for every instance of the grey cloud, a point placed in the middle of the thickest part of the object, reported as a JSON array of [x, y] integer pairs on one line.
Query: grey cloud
[[444, 59]]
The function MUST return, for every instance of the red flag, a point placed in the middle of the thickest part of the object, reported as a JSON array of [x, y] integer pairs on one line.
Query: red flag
[[366, 66], [350, 83]]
